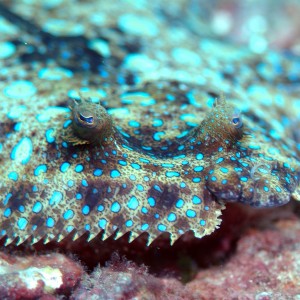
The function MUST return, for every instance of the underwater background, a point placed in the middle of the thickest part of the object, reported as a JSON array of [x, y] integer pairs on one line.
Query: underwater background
[[149, 149]]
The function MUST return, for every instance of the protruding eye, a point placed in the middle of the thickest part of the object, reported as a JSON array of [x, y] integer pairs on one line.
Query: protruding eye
[[86, 119], [237, 119], [237, 122]]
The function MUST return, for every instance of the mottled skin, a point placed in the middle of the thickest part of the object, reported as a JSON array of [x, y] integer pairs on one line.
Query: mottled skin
[[152, 171], [164, 158]]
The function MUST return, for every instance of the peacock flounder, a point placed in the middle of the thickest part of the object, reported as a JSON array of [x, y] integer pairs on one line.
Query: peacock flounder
[[155, 159]]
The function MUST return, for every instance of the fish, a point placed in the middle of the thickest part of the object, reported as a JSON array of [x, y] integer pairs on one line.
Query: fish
[[153, 154], [134, 167]]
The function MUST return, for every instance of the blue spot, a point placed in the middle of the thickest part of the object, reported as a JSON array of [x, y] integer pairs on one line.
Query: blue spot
[[151, 201], [122, 162], [86, 210], [179, 203], [161, 227], [157, 187], [64, 167], [7, 212], [70, 183], [55, 198], [213, 178], [115, 173], [13, 176], [67, 123], [245, 179], [39, 169], [37, 207], [128, 223], [56, 73], [144, 210], [224, 170], [196, 200], [79, 168], [21, 208], [134, 124], [157, 135], [115, 207], [136, 166], [133, 203], [98, 172], [254, 147], [22, 223], [278, 189], [140, 187], [20, 89], [202, 222], [172, 174], [167, 165], [22, 151], [7, 49], [266, 188], [198, 169], [50, 222], [102, 223], [157, 122], [132, 177], [144, 160], [199, 156], [69, 214], [224, 181], [190, 213], [100, 207], [69, 228], [145, 226], [35, 188], [182, 185], [78, 196], [172, 217], [49, 135], [8, 196], [84, 182], [219, 160], [182, 134], [18, 127], [196, 179]]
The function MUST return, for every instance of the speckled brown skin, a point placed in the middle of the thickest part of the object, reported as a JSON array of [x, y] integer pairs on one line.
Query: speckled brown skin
[[164, 168], [121, 184]]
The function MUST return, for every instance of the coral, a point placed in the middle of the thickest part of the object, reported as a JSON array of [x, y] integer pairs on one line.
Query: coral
[[265, 266], [33, 277], [122, 279]]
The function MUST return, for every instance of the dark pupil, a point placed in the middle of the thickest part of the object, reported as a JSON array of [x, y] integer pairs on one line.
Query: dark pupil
[[235, 121], [86, 119]]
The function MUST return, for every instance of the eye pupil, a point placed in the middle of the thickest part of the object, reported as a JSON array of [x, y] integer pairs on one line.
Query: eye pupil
[[235, 121], [89, 119]]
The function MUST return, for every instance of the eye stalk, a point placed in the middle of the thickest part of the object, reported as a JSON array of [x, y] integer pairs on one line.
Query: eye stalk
[[90, 122]]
